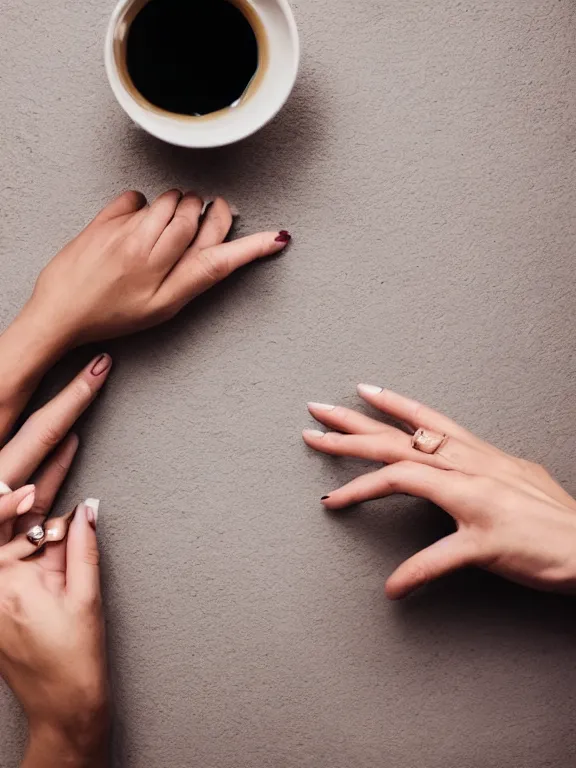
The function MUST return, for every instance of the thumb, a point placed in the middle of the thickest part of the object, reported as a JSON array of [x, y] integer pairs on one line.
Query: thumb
[[82, 556], [443, 557]]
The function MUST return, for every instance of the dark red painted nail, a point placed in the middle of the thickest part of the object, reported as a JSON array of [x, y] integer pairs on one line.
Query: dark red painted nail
[[324, 498], [283, 236], [101, 365]]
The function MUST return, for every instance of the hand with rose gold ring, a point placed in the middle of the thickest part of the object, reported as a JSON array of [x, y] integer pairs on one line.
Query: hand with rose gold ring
[[511, 516], [427, 441], [53, 647], [43, 449]]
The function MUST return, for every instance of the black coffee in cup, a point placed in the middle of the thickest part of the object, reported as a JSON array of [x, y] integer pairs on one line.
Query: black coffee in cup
[[193, 57]]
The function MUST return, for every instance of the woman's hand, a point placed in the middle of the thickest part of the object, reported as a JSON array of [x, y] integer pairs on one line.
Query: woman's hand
[[137, 265], [52, 648], [43, 449], [133, 267], [512, 518]]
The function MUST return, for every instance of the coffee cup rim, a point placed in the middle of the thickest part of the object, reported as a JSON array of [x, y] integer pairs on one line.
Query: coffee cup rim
[[184, 132]]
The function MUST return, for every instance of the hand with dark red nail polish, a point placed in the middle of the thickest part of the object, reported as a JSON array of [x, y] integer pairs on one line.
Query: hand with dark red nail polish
[[134, 266], [101, 365], [137, 265]]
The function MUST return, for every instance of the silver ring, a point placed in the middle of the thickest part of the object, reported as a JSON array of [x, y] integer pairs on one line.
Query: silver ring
[[4, 489], [36, 535], [428, 442]]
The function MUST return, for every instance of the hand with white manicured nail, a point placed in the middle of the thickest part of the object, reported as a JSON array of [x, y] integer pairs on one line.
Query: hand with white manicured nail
[[43, 450], [511, 516], [52, 648]]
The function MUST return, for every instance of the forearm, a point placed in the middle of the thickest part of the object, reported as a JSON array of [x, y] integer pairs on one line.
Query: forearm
[[28, 348], [50, 747]]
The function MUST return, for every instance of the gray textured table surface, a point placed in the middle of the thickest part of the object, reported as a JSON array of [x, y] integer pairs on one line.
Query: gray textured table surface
[[426, 165]]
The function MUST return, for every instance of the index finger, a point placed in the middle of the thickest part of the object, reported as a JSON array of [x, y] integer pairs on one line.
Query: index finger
[[45, 429], [200, 269], [445, 489]]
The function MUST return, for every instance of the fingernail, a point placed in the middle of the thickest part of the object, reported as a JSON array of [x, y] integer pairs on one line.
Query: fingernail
[[369, 389], [324, 498], [101, 365], [27, 502], [283, 236], [92, 509], [207, 207], [321, 406], [313, 433]]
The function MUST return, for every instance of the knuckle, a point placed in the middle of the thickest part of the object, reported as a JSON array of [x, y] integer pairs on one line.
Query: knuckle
[[221, 213], [132, 247], [502, 498], [92, 557], [47, 433], [80, 390], [11, 604], [39, 514], [60, 466], [164, 312], [182, 225], [395, 484], [407, 465], [418, 412], [213, 267], [41, 507], [91, 604], [192, 196], [263, 248], [405, 469], [399, 473], [344, 417], [133, 197], [485, 486]]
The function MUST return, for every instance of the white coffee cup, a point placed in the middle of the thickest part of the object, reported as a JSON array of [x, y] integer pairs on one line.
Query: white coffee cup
[[279, 50]]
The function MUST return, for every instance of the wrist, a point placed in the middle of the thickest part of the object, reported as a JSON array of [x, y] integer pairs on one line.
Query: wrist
[[28, 348], [81, 744]]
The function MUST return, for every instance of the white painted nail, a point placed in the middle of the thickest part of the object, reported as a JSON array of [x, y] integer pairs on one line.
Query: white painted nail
[[94, 505], [321, 406], [313, 433], [369, 389]]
